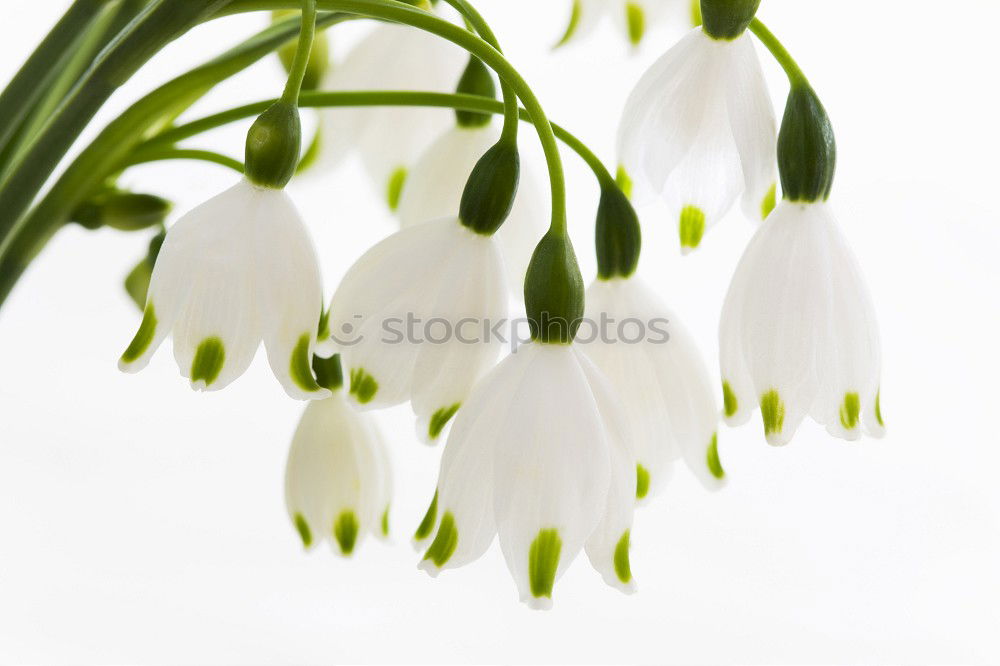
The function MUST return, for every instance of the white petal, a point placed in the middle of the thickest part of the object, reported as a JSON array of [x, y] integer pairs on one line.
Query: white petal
[[751, 114], [552, 470]]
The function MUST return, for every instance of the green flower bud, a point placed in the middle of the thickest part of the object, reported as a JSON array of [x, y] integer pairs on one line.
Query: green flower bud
[[807, 149], [273, 145], [553, 291], [476, 80], [137, 281], [125, 211], [319, 56], [618, 235], [727, 19], [491, 188]]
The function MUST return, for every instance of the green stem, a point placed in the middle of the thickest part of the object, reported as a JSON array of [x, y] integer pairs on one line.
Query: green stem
[[297, 72], [167, 138], [511, 109], [795, 75], [31, 80], [398, 12], [146, 156]]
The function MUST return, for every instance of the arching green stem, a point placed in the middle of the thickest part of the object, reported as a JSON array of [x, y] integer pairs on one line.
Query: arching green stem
[[297, 72], [795, 75], [158, 155]]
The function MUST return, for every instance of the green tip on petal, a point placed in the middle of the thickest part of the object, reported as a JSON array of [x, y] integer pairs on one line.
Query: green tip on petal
[[850, 410], [878, 408], [143, 337], [623, 569], [300, 369], [543, 562], [394, 187], [641, 482], [695, 13], [430, 518], [303, 529], [624, 181], [729, 401], [714, 464], [444, 543], [440, 419], [769, 202], [208, 361], [363, 386], [772, 409], [635, 19], [574, 23], [385, 522], [692, 227], [345, 531]]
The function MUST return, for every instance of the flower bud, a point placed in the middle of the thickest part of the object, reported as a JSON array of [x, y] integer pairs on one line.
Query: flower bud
[[727, 19], [476, 80], [619, 236], [125, 211], [807, 149], [273, 145], [553, 291], [491, 188], [319, 56]]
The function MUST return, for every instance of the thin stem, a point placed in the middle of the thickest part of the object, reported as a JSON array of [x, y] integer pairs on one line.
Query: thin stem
[[398, 12], [479, 24], [795, 75], [297, 73], [146, 156], [374, 98]]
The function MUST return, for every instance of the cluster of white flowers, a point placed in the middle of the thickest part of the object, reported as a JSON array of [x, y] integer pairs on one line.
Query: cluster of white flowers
[[551, 448]]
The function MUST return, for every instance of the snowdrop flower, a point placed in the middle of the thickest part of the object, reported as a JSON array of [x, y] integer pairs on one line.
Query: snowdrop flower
[[798, 333], [656, 369], [389, 140], [699, 130], [633, 17], [437, 180], [238, 269], [539, 455], [338, 483], [411, 319]]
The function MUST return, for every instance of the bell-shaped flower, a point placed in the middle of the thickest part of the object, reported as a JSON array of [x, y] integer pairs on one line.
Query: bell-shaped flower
[[438, 178], [699, 130], [798, 333], [415, 319], [655, 367], [238, 269], [539, 455], [338, 482], [389, 139], [632, 17]]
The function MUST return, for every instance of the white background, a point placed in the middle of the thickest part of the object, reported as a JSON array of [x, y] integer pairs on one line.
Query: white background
[[142, 522]]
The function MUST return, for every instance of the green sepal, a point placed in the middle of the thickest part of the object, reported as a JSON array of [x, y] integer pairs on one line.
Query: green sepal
[[329, 372], [727, 19], [618, 234], [476, 80], [319, 55], [124, 211], [273, 145], [807, 149], [554, 291], [490, 191]]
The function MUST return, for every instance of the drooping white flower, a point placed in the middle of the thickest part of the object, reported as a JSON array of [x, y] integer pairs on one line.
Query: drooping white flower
[[699, 130], [389, 139], [437, 180], [411, 319], [798, 333], [539, 455], [338, 482], [654, 366], [238, 269], [633, 17]]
